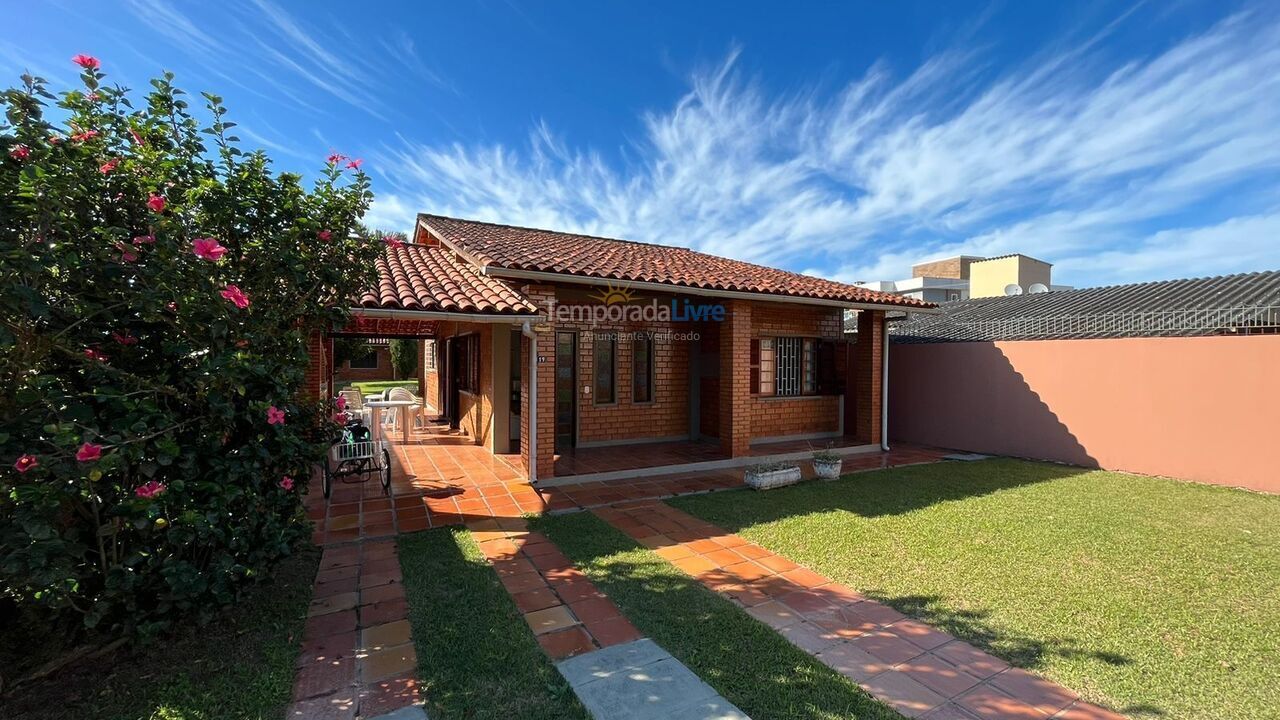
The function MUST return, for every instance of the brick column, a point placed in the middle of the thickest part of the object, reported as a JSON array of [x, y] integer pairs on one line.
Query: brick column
[[868, 357], [314, 385], [543, 296], [735, 379]]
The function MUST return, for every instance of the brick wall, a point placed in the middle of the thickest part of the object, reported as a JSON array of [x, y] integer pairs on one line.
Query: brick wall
[[429, 375], [316, 377], [774, 417], [666, 416]]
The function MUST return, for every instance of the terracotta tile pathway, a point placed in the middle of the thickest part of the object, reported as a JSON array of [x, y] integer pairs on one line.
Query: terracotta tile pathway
[[916, 669], [357, 658], [563, 608]]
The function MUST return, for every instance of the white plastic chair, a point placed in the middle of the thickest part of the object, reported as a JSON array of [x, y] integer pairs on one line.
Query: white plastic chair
[[399, 393]]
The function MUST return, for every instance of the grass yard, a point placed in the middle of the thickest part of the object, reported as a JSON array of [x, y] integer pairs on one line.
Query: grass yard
[[240, 667], [477, 657], [368, 387], [745, 660], [1154, 597]]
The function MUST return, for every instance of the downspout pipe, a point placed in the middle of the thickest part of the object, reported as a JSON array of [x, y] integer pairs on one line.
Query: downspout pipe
[[527, 331], [884, 387]]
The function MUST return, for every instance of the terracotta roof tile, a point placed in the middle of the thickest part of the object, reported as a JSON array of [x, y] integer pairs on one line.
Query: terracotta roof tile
[[517, 248], [418, 277]]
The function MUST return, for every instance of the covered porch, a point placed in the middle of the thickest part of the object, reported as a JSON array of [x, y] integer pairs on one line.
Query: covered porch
[[440, 478]]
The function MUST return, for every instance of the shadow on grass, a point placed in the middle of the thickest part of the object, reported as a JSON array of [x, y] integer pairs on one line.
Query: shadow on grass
[[477, 658], [745, 660], [972, 626], [874, 493]]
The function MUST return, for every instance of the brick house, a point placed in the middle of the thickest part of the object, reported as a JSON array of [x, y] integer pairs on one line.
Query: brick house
[[568, 348]]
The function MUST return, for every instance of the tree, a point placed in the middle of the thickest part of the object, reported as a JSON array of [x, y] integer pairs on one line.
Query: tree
[[404, 358], [156, 296]]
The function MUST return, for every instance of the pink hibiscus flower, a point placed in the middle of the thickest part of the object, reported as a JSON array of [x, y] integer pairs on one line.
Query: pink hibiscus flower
[[124, 338], [324, 235], [109, 165], [341, 402], [89, 452], [137, 139], [93, 354], [208, 249], [275, 416], [236, 296], [355, 164], [86, 135], [335, 158], [150, 489], [25, 463], [126, 253], [156, 203], [393, 242], [145, 240], [286, 482], [341, 418], [20, 152], [88, 62]]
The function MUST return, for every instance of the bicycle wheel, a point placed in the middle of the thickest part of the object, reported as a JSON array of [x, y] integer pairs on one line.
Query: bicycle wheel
[[386, 472], [327, 478]]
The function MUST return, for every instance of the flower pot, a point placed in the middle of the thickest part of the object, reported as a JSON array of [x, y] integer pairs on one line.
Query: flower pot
[[769, 479], [827, 469]]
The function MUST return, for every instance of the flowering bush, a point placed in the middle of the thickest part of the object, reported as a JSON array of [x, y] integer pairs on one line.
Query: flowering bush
[[156, 294]]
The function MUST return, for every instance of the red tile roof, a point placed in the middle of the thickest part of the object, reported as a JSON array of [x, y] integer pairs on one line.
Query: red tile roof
[[418, 277], [517, 248]]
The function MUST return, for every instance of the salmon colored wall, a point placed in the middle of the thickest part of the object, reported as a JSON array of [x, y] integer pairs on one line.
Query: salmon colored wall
[[1202, 409]]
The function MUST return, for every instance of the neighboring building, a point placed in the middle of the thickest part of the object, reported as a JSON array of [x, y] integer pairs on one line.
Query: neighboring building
[[375, 365], [995, 276], [1247, 303], [964, 276], [681, 354]]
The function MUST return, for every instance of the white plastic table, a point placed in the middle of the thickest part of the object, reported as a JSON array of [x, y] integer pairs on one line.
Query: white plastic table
[[378, 405]]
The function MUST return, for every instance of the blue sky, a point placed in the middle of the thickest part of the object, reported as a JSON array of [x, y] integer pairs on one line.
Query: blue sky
[[1121, 143]]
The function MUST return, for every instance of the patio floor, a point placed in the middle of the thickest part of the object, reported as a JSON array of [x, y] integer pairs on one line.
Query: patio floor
[[616, 458], [442, 478]]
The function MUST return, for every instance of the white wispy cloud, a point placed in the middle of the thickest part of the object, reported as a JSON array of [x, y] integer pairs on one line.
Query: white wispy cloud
[[1066, 158]]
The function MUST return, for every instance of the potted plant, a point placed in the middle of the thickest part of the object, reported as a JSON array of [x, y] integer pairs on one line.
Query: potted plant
[[826, 464], [767, 476]]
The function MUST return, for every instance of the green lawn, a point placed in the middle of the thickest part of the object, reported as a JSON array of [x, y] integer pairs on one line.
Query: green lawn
[[477, 658], [1154, 597], [240, 667], [749, 663], [369, 387]]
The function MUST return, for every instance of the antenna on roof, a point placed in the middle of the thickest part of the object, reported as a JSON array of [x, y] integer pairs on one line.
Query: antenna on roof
[[1013, 289], [1037, 288]]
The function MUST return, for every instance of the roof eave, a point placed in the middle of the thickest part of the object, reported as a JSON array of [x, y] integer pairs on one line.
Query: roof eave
[[494, 271]]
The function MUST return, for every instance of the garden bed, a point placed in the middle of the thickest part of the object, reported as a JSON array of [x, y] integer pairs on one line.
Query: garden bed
[[239, 666]]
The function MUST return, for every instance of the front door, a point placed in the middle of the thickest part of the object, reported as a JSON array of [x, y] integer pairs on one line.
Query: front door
[[566, 389]]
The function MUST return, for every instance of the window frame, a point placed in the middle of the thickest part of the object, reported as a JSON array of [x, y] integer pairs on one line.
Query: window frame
[[372, 354], [468, 372], [650, 359], [598, 341], [772, 374]]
